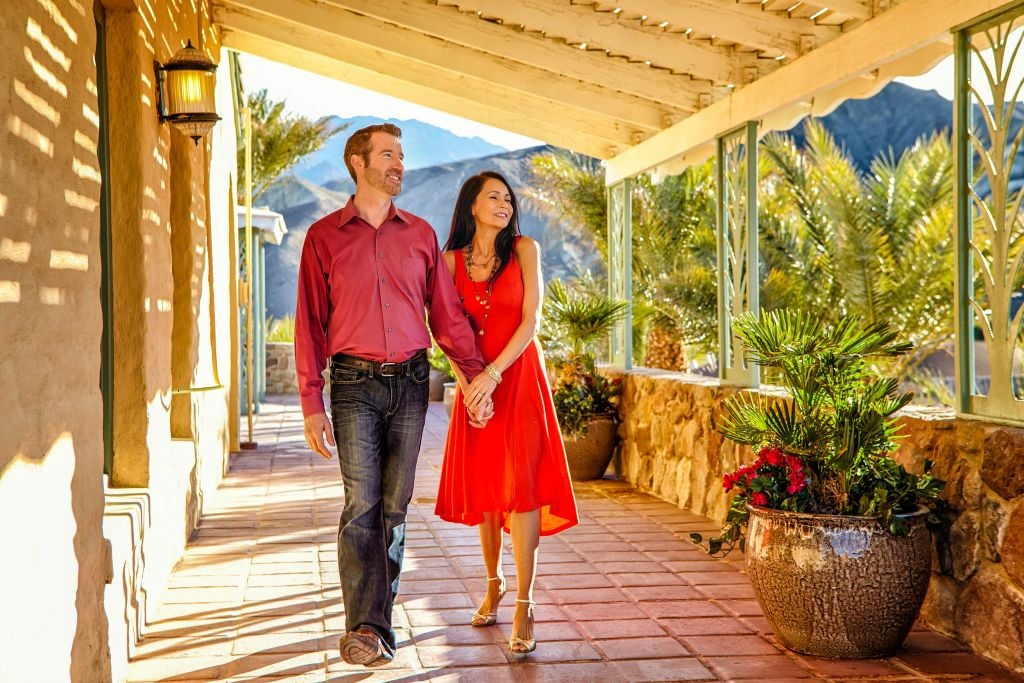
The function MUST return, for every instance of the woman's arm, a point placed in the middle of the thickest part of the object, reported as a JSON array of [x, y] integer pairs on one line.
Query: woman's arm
[[528, 254]]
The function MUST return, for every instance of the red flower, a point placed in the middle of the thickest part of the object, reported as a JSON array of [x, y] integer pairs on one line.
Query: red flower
[[758, 498], [772, 456]]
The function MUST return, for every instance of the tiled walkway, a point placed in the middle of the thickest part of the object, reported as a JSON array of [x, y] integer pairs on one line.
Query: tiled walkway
[[623, 597]]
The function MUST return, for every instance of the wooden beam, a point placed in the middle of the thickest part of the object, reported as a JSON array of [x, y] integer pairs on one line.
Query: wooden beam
[[858, 9], [893, 35], [498, 77], [284, 48], [466, 28], [744, 24], [580, 24]]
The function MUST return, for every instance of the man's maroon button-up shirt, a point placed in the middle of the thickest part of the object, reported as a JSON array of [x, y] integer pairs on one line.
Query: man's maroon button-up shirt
[[363, 291]]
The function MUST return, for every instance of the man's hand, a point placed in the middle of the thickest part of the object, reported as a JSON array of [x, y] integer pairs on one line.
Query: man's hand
[[481, 417], [315, 427], [479, 392]]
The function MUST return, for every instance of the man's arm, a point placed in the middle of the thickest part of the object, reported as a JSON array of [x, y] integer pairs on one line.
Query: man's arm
[[311, 312]]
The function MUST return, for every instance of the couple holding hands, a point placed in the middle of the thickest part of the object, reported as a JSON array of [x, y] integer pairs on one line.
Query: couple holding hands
[[368, 274]]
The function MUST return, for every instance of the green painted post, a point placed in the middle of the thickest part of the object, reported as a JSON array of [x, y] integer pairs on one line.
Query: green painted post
[[620, 269], [962, 278]]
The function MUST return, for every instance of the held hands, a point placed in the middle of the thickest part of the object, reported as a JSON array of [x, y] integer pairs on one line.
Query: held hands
[[315, 428], [481, 417]]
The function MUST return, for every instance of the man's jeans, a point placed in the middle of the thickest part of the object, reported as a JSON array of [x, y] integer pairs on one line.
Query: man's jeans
[[378, 425]]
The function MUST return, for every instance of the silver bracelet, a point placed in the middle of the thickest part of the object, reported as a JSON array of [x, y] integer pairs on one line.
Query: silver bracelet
[[493, 373]]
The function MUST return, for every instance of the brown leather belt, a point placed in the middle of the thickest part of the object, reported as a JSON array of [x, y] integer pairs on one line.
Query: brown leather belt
[[373, 367]]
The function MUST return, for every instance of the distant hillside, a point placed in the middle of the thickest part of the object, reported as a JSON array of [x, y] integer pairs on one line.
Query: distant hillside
[[422, 143], [893, 119], [427, 192]]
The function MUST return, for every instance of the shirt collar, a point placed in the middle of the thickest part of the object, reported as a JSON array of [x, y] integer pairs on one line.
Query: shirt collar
[[349, 212]]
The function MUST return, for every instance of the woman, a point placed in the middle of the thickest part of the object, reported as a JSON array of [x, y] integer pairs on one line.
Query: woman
[[511, 475]]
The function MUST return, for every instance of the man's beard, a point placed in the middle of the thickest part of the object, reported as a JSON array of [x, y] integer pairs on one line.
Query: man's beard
[[375, 179]]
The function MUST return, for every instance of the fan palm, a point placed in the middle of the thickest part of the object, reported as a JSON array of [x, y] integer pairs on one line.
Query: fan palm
[[833, 242]]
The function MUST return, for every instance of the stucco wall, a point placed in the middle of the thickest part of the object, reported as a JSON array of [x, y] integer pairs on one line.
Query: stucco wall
[[175, 300], [167, 197], [51, 455], [671, 448]]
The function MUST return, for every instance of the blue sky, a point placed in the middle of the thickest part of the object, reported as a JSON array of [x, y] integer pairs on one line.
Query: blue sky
[[314, 96]]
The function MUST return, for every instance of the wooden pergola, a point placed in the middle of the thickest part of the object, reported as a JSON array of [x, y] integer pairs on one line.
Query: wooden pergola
[[636, 82], [655, 86]]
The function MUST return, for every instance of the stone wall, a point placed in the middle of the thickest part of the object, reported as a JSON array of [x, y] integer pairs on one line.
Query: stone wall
[[281, 368], [671, 448]]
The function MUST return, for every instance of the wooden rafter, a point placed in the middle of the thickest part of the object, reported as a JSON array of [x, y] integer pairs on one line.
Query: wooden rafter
[[894, 36], [580, 24], [744, 24], [498, 78], [859, 9], [417, 83], [507, 42]]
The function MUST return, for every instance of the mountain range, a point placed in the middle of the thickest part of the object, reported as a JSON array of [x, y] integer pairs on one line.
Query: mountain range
[[422, 144], [427, 192], [438, 161]]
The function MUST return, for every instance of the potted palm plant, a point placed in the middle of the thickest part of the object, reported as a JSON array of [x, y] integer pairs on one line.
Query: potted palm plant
[[585, 400], [833, 529]]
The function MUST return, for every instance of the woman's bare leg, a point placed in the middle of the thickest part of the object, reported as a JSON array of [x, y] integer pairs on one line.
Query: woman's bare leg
[[490, 544], [525, 528]]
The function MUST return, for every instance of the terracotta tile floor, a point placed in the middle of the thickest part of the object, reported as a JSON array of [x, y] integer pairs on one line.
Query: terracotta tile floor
[[622, 597]]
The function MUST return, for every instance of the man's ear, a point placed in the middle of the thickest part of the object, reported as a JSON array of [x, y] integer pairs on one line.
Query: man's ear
[[357, 162]]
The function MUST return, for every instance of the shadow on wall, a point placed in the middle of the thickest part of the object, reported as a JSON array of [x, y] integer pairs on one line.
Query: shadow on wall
[[51, 456]]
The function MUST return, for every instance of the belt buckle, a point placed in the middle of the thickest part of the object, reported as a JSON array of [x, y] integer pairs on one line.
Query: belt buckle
[[388, 369]]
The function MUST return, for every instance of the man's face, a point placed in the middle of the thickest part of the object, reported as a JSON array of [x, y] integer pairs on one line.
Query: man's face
[[385, 169]]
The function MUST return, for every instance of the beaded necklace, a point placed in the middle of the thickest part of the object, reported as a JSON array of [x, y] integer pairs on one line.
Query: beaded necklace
[[484, 299]]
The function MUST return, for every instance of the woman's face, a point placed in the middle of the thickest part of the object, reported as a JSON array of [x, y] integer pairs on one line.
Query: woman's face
[[493, 206]]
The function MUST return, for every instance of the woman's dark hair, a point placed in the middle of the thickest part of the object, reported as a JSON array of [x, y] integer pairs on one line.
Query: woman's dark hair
[[464, 225]]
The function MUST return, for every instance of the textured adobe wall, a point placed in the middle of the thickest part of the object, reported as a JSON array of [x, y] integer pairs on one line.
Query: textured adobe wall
[[52, 624], [174, 284]]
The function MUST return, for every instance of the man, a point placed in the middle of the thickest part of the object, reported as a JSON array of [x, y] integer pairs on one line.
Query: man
[[367, 273]]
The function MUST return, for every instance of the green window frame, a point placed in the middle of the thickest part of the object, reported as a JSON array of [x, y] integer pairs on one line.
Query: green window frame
[[989, 232], [106, 241]]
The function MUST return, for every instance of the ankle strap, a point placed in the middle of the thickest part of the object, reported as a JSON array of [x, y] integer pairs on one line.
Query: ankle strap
[[528, 602], [494, 578]]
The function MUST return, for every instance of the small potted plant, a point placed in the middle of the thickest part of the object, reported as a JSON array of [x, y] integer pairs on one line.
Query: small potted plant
[[833, 529], [586, 401], [442, 378]]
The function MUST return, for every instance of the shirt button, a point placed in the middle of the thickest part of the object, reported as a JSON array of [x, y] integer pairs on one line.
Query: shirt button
[[390, 355], [382, 255], [389, 329], [383, 279], [387, 305]]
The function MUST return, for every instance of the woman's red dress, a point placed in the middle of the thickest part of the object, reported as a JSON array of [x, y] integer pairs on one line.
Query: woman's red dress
[[516, 463]]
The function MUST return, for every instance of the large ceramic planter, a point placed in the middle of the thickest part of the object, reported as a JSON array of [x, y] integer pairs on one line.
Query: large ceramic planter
[[837, 586], [589, 455]]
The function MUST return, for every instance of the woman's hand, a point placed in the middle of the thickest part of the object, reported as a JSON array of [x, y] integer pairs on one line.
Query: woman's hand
[[478, 391]]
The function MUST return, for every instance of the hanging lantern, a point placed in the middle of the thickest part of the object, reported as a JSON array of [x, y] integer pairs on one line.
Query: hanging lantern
[[185, 92]]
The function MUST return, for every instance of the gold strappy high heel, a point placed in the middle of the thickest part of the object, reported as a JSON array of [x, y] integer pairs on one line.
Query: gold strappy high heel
[[490, 618], [524, 646]]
